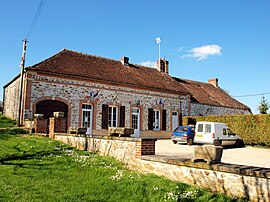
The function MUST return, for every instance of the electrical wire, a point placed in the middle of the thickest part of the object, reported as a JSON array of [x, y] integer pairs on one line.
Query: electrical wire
[[38, 11], [251, 95]]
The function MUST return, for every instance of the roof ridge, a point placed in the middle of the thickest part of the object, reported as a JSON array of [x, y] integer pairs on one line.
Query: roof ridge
[[101, 57]]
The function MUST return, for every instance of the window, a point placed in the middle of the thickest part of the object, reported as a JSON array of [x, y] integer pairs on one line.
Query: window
[[135, 118], [156, 118], [112, 119], [181, 129], [230, 133], [200, 128], [224, 131], [86, 115], [207, 128]]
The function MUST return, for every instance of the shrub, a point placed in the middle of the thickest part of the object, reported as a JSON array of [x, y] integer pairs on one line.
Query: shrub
[[253, 129]]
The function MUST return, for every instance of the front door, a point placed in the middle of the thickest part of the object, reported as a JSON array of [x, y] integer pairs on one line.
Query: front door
[[87, 117], [136, 121], [174, 120]]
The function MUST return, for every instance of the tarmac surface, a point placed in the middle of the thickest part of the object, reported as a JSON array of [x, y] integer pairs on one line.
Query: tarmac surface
[[250, 156]]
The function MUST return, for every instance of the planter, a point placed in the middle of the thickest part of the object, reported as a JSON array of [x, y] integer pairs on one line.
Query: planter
[[120, 131], [58, 114], [38, 116], [209, 153]]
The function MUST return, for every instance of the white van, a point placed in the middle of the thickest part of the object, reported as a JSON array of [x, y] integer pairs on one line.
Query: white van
[[216, 133]]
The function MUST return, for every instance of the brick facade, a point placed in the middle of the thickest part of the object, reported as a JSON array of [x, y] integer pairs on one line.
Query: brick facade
[[41, 125]]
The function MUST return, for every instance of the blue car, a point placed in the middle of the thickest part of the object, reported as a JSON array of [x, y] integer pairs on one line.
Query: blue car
[[184, 134]]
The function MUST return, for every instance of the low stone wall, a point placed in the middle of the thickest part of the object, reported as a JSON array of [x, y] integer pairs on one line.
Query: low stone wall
[[253, 183]]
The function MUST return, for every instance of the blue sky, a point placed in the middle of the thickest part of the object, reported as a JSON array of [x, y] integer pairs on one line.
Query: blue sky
[[202, 39]]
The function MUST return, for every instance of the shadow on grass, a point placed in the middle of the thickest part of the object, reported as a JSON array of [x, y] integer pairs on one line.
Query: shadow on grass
[[6, 133], [22, 160]]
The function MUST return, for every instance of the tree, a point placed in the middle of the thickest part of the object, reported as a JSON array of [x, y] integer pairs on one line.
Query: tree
[[264, 106]]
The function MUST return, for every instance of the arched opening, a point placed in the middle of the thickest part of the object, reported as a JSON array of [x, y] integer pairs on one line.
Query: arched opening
[[47, 107]]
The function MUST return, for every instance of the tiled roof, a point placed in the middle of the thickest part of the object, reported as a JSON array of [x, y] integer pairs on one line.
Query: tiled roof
[[77, 64], [206, 93]]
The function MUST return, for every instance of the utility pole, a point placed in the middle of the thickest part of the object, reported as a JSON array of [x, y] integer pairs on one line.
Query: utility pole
[[22, 65]]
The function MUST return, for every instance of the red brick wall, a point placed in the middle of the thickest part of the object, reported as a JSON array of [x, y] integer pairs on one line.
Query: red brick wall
[[145, 147], [60, 125], [41, 125]]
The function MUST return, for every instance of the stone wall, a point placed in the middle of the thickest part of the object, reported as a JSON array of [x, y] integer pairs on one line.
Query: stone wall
[[11, 102], [208, 110], [75, 92], [253, 183]]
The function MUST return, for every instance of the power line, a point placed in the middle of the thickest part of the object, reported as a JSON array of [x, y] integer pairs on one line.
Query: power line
[[251, 95], [38, 11]]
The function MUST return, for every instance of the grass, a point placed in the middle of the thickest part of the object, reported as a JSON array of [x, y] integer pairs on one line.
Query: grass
[[6, 123], [34, 168]]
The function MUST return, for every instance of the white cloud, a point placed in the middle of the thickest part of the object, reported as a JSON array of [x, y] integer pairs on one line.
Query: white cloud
[[202, 53], [148, 63]]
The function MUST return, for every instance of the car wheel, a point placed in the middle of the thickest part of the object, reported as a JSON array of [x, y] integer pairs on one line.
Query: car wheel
[[190, 141], [239, 143], [217, 142], [174, 142]]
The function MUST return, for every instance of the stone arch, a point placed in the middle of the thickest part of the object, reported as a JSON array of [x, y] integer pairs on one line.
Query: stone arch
[[47, 105]]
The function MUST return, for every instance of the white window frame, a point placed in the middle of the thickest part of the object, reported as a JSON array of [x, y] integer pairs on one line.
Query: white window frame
[[156, 119], [87, 108], [113, 116]]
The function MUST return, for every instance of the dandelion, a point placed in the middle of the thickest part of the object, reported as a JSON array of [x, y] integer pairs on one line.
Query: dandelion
[[172, 196], [189, 194], [118, 176], [155, 188]]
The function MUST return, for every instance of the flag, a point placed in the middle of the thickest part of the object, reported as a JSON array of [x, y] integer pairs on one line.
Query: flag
[[158, 40]]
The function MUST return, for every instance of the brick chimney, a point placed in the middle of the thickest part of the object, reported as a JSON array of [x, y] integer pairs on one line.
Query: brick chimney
[[125, 61], [213, 82], [163, 65]]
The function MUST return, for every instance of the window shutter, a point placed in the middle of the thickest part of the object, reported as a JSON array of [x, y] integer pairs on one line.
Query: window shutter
[[180, 119], [150, 118], [164, 119], [122, 116], [105, 109]]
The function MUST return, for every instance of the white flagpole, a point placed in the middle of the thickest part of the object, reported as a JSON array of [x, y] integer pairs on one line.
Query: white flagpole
[[158, 40]]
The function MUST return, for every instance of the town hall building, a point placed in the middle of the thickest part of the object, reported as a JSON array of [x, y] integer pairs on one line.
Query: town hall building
[[97, 93]]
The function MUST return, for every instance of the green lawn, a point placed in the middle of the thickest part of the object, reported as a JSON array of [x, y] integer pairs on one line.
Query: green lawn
[[40, 169], [5, 122]]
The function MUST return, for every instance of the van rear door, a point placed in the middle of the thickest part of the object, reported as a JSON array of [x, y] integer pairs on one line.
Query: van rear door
[[204, 133]]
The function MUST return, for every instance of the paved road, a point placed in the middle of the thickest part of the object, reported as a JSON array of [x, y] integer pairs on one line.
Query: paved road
[[244, 156]]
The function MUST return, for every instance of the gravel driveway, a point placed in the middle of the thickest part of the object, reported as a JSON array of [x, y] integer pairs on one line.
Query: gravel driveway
[[243, 156]]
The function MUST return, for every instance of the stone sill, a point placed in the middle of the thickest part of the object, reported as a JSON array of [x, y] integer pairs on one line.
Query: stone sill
[[221, 167]]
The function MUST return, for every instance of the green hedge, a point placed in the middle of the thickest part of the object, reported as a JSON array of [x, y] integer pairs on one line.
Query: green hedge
[[253, 129]]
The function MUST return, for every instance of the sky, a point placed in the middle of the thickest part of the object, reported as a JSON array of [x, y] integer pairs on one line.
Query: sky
[[201, 39]]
